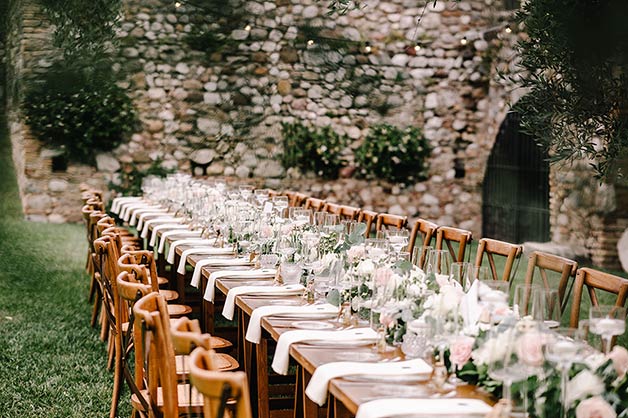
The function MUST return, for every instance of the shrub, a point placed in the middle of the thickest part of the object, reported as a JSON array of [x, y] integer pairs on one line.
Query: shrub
[[313, 150], [79, 114], [393, 154], [131, 177]]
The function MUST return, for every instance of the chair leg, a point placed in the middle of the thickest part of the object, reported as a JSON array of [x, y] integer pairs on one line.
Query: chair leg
[[104, 326], [95, 309], [92, 289], [111, 351], [117, 384]]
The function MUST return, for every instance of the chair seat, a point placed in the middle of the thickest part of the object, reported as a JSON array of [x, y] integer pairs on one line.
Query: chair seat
[[169, 294], [222, 362], [176, 310], [187, 398]]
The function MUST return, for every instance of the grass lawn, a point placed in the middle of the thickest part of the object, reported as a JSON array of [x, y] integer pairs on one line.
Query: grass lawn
[[52, 364]]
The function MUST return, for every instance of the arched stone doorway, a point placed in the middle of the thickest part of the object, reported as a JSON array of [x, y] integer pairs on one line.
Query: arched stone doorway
[[515, 191]]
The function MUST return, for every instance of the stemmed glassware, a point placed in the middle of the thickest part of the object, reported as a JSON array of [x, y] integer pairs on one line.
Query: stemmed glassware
[[564, 347], [439, 265], [281, 204], [398, 239], [607, 321], [507, 362]]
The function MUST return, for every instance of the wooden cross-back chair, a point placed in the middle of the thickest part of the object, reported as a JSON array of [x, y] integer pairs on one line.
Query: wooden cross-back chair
[[424, 231], [492, 247], [218, 387], [447, 236], [368, 217], [164, 395], [317, 205], [115, 319], [544, 263], [299, 199], [594, 280], [387, 220], [347, 213], [140, 263]]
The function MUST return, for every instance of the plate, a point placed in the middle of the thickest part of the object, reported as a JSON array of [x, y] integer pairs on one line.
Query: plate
[[312, 325]]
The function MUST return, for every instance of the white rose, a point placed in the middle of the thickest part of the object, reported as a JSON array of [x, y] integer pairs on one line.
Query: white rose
[[492, 350], [584, 384], [366, 267], [451, 297]]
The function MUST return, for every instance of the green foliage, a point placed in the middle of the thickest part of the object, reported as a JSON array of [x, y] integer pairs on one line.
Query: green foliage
[[83, 29], [575, 67], [392, 154], [313, 150], [131, 178], [84, 116]]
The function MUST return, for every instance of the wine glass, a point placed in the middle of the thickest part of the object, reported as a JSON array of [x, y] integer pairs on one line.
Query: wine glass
[[550, 308], [505, 360], [376, 249], [564, 347], [281, 203], [460, 273], [419, 255], [479, 273], [607, 321], [398, 239], [528, 300], [331, 220], [246, 191], [439, 265], [261, 195], [493, 297], [319, 219], [287, 248]]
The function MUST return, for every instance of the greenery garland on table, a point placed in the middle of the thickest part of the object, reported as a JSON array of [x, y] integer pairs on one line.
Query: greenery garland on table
[[575, 66], [76, 105]]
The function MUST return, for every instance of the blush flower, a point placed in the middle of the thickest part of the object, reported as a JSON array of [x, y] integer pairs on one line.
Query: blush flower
[[595, 407], [619, 356], [460, 350], [530, 348]]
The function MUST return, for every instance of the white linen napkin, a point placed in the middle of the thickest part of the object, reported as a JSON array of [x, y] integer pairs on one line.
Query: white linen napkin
[[201, 250], [193, 241], [282, 352], [387, 407], [162, 220], [179, 233], [268, 289], [155, 212], [254, 331], [470, 308], [220, 274], [128, 210], [137, 213], [157, 228], [317, 388], [116, 202]]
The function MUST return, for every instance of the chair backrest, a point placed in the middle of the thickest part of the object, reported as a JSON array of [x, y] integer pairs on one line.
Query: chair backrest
[[389, 220], [160, 370], [142, 264], [314, 204], [186, 335], [217, 387], [424, 230], [595, 280], [448, 236], [367, 217], [544, 262], [299, 199], [492, 247], [347, 213]]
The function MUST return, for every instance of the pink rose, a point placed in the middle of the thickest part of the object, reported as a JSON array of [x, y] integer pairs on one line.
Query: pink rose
[[619, 356], [595, 407], [355, 253], [387, 320], [383, 276], [266, 231], [530, 348], [460, 350]]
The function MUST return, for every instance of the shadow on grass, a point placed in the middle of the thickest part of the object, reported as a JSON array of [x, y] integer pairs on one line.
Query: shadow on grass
[[51, 362]]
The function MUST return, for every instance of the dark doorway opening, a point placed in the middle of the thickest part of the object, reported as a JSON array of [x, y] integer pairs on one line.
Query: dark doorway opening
[[516, 187]]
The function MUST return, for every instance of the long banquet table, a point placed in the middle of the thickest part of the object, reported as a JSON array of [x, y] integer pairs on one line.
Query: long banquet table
[[345, 395]]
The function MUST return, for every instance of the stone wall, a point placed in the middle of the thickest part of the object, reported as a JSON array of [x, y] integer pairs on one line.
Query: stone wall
[[47, 195], [223, 106]]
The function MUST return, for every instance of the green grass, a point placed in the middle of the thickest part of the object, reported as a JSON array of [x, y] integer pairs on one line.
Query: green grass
[[52, 363]]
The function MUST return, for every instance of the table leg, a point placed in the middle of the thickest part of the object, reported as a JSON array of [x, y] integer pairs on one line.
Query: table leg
[[310, 409], [261, 354]]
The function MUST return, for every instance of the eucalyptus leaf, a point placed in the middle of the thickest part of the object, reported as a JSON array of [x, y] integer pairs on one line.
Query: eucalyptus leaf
[[333, 297]]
